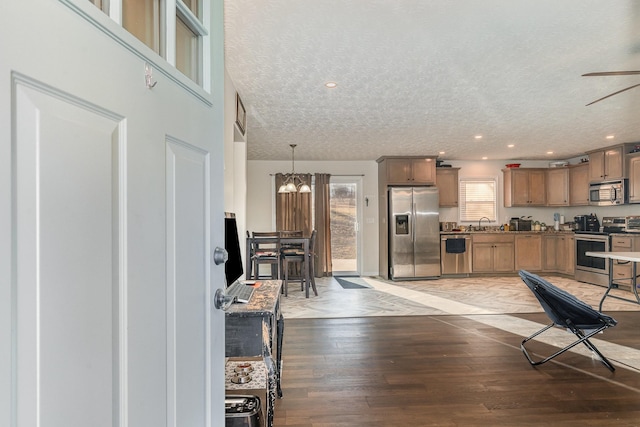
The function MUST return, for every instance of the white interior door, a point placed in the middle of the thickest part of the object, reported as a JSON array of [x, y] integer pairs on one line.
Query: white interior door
[[105, 247]]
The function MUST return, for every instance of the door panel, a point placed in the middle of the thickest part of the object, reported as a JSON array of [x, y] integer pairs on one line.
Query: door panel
[[67, 222], [401, 232], [188, 296], [345, 203], [427, 232]]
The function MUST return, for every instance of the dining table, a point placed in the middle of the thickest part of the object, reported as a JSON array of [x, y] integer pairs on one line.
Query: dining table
[[633, 258], [284, 241]]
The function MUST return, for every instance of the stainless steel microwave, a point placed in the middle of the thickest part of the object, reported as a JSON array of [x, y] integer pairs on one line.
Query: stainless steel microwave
[[609, 193]]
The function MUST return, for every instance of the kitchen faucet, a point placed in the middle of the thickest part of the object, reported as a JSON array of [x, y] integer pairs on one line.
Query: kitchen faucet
[[480, 220]]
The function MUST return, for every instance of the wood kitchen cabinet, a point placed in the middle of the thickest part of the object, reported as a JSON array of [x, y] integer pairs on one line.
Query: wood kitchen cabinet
[[579, 185], [608, 163], [558, 253], [622, 271], [528, 252], [447, 183], [408, 170], [492, 253], [557, 184], [634, 177], [524, 187], [569, 254]]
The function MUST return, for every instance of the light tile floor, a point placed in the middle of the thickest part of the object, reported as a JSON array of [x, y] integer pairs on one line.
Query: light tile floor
[[487, 300]]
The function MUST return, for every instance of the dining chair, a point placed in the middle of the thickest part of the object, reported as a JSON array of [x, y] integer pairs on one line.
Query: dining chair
[[298, 257], [265, 249], [292, 258]]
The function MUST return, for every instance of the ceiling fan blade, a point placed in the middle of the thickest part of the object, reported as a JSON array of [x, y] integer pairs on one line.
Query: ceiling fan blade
[[614, 93], [612, 73]]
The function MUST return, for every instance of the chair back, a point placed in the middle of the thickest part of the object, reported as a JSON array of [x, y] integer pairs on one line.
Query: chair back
[[563, 308], [265, 244]]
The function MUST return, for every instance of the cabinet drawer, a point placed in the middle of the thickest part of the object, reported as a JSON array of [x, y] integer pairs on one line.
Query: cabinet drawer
[[621, 244], [492, 238]]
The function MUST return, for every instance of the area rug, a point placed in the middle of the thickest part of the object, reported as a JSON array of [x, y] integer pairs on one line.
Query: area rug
[[351, 282]]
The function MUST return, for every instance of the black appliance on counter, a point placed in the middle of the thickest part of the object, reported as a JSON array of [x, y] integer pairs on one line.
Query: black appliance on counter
[[520, 224], [586, 223]]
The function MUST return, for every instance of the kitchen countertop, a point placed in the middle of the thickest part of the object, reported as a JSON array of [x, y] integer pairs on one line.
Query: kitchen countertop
[[505, 232]]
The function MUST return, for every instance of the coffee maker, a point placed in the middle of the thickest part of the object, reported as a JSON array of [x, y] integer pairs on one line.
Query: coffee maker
[[592, 223], [580, 223], [586, 223]]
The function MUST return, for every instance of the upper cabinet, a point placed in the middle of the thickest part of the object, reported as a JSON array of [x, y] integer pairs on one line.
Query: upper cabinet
[[557, 186], [524, 187], [634, 177], [447, 183], [607, 163], [579, 185], [408, 170]]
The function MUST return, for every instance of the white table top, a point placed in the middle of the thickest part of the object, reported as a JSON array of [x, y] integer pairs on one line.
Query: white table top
[[621, 256]]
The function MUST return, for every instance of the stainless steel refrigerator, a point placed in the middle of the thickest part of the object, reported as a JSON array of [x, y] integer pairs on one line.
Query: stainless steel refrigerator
[[414, 233]]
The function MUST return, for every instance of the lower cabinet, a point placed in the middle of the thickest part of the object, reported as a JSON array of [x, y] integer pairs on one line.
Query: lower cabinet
[[622, 271], [529, 252], [559, 253], [535, 252], [492, 253]]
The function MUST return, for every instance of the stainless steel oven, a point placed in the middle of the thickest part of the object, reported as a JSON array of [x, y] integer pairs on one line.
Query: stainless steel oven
[[590, 269]]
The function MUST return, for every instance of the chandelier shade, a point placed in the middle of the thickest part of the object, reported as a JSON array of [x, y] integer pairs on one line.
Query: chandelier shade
[[293, 182]]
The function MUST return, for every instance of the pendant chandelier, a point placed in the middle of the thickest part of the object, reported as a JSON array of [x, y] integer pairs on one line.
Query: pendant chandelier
[[293, 183]]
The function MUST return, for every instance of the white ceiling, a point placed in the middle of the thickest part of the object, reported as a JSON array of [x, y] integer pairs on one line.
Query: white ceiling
[[418, 77]]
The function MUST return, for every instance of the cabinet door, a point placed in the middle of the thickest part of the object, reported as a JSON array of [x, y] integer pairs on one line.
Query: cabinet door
[[482, 256], [570, 254], [579, 185], [529, 252], [503, 257], [447, 183], [398, 171], [558, 187], [423, 171], [550, 258], [520, 187], [613, 163], [596, 166], [537, 188], [634, 179]]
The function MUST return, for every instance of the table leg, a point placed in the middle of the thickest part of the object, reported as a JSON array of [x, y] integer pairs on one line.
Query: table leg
[[306, 268], [610, 284]]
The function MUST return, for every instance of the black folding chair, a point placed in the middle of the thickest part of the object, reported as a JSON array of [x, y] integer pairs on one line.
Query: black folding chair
[[566, 311]]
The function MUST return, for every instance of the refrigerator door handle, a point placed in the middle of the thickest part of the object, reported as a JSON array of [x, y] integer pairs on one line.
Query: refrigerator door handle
[[413, 223]]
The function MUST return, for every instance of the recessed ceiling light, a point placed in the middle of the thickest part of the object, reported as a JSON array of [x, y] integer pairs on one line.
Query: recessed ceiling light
[[478, 137], [549, 152], [610, 136], [331, 85], [485, 158], [511, 145], [441, 153]]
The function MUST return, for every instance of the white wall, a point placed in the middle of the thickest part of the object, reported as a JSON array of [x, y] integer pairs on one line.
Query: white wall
[[260, 198], [235, 160]]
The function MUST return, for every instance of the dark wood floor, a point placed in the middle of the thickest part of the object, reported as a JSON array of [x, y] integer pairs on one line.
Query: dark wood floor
[[446, 371]]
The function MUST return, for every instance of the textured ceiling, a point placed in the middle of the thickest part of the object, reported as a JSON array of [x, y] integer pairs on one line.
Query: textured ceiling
[[418, 77]]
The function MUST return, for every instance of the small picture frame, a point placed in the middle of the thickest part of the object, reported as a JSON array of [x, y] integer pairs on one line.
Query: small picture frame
[[241, 115]]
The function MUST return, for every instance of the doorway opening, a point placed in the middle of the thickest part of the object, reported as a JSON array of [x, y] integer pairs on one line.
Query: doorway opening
[[345, 231]]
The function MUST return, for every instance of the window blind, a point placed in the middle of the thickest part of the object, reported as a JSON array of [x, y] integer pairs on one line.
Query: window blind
[[477, 199]]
